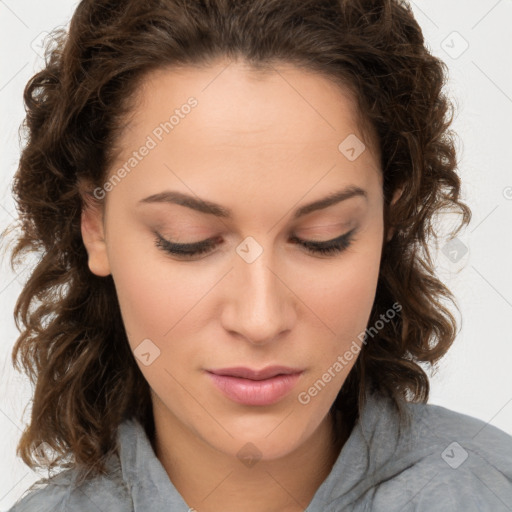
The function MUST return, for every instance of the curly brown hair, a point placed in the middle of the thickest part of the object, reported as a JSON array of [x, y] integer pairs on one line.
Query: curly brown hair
[[73, 345]]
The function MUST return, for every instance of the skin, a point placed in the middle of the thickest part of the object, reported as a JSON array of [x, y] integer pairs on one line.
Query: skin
[[262, 148]]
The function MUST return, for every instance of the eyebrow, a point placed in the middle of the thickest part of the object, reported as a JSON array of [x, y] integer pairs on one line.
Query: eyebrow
[[204, 206]]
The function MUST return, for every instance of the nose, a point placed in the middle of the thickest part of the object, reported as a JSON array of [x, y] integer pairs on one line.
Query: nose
[[260, 307]]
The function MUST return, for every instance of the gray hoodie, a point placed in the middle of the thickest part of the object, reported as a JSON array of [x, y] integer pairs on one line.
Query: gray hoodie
[[442, 461]]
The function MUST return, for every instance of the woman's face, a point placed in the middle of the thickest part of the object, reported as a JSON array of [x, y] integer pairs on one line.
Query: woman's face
[[261, 147]]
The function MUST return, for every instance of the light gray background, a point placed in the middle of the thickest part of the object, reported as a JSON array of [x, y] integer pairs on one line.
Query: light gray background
[[475, 377]]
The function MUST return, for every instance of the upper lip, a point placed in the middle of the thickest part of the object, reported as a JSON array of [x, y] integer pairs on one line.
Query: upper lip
[[249, 373]]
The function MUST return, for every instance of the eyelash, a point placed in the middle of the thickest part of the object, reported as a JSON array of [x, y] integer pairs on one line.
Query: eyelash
[[327, 248]]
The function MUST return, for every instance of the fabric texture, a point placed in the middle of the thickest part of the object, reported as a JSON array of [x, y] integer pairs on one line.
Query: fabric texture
[[442, 461]]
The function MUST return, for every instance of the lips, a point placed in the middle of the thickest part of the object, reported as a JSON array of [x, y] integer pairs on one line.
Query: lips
[[252, 387], [248, 373]]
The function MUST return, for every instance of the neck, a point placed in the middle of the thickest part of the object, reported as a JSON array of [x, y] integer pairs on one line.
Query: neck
[[210, 481]]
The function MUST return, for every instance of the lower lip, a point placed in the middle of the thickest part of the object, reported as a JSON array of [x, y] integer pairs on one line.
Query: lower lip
[[255, 392]]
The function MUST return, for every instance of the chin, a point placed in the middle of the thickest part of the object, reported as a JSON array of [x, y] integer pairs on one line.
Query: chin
[[268, 439]]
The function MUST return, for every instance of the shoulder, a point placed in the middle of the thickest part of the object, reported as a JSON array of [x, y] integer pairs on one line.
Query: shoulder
[[59, 493], [461, 436], [459, 462]]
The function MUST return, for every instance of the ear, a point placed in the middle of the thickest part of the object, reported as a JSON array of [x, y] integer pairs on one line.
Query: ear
[[93, 233], [394, 199]]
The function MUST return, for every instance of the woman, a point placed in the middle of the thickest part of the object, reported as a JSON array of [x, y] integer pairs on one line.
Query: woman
[[234, 202]]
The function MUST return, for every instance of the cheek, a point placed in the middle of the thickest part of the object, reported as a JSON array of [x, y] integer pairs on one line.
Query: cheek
[[341, 293], [342, 299], [155, 294], [158, 296]]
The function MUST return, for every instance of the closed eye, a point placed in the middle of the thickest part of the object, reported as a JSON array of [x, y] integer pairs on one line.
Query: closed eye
[[325, 248]]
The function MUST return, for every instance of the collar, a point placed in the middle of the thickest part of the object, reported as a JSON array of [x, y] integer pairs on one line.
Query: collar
[[364, 460]]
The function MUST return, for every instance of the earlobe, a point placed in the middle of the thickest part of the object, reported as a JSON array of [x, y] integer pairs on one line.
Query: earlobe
[[93, 236]]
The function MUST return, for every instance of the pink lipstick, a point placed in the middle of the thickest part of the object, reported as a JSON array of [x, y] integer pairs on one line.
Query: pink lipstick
[[255, 387]]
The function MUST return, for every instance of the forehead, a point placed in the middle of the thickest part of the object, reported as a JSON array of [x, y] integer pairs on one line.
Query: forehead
[[250, 103], [247, 127]]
